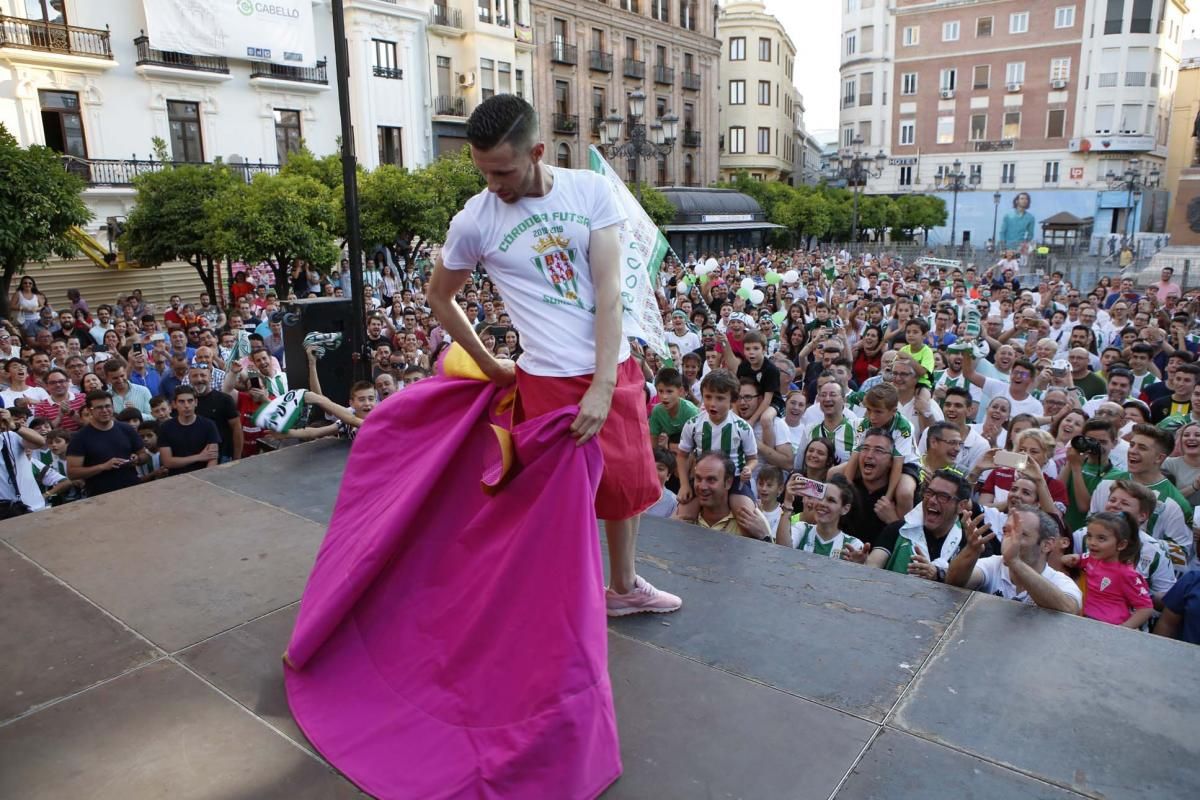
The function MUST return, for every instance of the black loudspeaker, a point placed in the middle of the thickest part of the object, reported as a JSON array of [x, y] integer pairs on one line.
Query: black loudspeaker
[[325, 315]]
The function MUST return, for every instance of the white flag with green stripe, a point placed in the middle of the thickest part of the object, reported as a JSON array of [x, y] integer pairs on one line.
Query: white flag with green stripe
[[643, 249]]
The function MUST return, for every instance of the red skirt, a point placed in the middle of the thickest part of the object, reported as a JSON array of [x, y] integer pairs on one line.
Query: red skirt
[[630, 483]]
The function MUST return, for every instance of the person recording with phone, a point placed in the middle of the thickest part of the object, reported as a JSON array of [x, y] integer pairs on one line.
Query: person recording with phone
[[1086, 466]]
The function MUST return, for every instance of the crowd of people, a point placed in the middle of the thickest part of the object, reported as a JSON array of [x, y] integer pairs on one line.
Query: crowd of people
[[983, 427]]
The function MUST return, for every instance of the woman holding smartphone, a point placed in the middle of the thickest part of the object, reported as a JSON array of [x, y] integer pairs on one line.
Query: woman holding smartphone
[[823, 536]]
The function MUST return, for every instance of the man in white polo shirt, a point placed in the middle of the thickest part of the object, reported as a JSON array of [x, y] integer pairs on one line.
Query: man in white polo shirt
[[1021, 572]]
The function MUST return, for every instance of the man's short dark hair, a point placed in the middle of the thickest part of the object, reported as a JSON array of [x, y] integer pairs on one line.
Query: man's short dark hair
[[959, 391], [1093, 425], [1143, 348], [962, 489], [502, 118], [97, 394], [720, 455], [1163, 440], [185, 389], [937, 429]]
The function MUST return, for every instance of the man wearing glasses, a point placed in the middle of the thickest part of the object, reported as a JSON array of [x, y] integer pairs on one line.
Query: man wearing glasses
[[924, 542], [105, 454], [62, 409]]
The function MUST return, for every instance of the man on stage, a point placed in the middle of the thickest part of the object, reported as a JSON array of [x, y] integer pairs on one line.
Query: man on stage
[[549, 238]]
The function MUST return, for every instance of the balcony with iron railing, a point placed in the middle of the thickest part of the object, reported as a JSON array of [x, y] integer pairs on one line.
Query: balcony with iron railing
[[691, 80], [1135, 79], [443, 17], [563, 53], [122, 171], [449, 106], [664, 75], [317, 74], [634, 68], [565, 123], [691, 138], [392, 73], [148, 56], [38, 37], [1106, 79], [600, 61]]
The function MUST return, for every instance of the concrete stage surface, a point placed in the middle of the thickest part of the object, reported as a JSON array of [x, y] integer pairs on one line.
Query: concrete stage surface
[[141, 632]]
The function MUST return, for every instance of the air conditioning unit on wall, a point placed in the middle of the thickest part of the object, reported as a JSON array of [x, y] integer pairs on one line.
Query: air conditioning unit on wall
[[947, 94], [1058, 84], [466, 79], [1014, 87]]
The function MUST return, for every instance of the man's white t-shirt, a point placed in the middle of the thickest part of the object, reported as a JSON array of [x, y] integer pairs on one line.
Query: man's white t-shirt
[[34, 394], [998, 582], [536, 252], [686, 343], [1029, 405]]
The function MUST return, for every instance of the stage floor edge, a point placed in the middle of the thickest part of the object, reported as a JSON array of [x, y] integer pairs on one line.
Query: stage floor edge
[[142, 661]]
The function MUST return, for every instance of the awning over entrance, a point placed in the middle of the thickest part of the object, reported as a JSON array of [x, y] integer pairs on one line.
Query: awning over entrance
[[712, 221]]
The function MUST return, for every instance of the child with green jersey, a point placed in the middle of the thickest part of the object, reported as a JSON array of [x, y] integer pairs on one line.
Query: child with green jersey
[[672, 411]]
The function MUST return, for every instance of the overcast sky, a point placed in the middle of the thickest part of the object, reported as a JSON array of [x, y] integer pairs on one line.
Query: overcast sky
[[815, 28]]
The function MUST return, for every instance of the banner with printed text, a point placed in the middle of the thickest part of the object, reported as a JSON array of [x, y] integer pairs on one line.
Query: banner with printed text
[[277, 31], [643, 247]]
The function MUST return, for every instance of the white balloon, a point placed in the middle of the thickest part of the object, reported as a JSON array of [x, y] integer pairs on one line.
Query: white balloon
[[712, 265], [791, 277], [747, 283], [756, 296]]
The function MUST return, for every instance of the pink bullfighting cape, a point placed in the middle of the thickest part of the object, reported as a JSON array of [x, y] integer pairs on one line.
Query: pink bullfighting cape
[[451, 641]]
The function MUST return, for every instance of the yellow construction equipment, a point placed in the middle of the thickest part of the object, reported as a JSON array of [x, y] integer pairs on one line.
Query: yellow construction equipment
[[97, 253]]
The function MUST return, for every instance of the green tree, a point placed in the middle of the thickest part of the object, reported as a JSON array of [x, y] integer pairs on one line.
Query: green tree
[[280, 217], [165, 225], [39, 202], [807, 214], [327, 168], [919, 212], [396, 207], [400, 209], [656, 205], [453, 180], [877, 212]]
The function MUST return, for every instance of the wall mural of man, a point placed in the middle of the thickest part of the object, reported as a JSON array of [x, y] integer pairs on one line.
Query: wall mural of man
[[1017, 229]]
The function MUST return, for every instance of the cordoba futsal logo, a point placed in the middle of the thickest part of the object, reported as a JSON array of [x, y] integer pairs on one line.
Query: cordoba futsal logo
[[555, 260]]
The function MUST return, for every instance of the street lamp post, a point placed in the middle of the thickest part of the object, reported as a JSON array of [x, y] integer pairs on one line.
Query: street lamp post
[[995, 217], [659, 142], [1134, 180], [957, 181], [855, 167]]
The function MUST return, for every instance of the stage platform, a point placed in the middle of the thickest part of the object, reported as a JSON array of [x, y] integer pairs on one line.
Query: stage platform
[[140, 636]]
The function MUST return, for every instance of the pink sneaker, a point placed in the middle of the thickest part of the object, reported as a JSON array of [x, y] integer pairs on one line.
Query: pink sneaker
[[643, 598]]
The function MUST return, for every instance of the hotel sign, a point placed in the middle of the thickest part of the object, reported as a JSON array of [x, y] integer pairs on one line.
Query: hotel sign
[[903, 161]]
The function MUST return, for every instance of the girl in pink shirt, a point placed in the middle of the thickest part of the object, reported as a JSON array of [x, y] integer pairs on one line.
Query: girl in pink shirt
[[1115, 592]]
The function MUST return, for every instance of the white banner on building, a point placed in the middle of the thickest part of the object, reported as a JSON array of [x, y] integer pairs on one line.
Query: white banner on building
[[278, 31], [643, 249]]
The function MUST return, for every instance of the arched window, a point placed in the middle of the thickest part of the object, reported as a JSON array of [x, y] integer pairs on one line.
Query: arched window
[[689, 170], [564, 156], [662, 171]]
